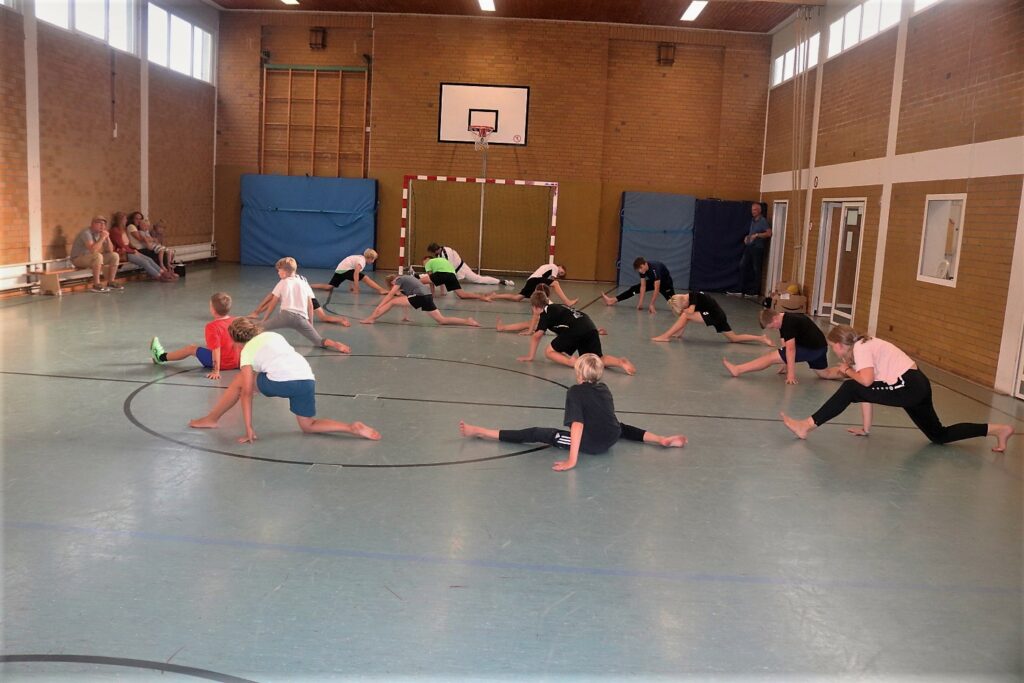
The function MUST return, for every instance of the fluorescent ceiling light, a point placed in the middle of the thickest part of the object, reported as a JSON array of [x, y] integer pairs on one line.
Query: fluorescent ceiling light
[[487, 5], [290, 2], [695, 8]]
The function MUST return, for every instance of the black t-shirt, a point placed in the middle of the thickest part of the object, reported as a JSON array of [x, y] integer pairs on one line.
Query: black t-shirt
[[564, 320], [801, 328], [656, 270], [592, 404], [704, 303]]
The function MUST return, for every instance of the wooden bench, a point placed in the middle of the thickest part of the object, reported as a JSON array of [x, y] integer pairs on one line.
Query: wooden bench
[[52, 273]]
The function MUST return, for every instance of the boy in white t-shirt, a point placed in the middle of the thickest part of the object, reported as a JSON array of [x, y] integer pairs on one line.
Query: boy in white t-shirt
[[351, 268], [269, 363], [548, 275], [296, 298]]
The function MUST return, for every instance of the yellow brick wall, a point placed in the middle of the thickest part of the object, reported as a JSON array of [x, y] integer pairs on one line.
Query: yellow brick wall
[[13, 160]]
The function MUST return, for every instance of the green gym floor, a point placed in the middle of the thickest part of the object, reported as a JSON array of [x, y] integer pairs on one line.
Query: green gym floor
[[136, 548]]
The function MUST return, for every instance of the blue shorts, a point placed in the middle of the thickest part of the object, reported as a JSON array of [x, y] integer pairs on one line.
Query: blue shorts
[[301, 393], [205, 356], [816, 358]]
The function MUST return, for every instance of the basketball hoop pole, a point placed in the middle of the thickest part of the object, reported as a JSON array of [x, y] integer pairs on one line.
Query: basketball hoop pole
[[480, 238]]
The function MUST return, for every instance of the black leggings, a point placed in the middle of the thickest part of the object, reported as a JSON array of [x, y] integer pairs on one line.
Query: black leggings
[[913, 393], [560, 438], [665, 289]]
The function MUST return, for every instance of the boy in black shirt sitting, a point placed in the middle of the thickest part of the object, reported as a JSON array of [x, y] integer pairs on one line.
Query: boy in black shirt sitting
[[590, 416], [699, 306], [802, 342], [574, 332]]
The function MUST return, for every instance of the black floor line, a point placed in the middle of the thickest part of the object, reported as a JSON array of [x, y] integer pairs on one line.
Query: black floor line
[[128, 663]]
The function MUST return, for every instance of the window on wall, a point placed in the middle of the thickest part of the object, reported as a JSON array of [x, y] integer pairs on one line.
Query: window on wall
[[796, 60], [941, 238], [921, 4], [179, 45], [108, 20], [861, 22]]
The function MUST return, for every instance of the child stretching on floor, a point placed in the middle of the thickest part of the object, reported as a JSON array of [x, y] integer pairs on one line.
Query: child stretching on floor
[[351, 268], [881, 373], [296, 306], [548, 275], [318, 311], [219, 353], [574, 332], [270, 364], [700, 306], [528, 327], [654, 273], [590, 417], [409, 291], [441, 273], [802, 342]]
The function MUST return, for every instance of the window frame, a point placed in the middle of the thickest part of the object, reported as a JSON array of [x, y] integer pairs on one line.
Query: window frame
[[72, 5], [948, 197], [194, 71], [841, 20]]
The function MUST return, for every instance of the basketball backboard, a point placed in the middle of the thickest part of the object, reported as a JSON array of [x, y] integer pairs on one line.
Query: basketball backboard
[[502, 107]]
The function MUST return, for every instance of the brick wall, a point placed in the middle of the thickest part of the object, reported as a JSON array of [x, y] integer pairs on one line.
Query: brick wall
[[778, 144], [953, 327], [856, 92], [13, 160]]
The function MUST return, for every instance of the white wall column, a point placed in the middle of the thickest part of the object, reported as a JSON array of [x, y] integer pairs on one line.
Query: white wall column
[[35, 193], [1010, 348], [142, 33]]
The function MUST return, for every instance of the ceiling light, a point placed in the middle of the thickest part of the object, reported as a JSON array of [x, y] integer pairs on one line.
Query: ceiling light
[[290, 2], [695, 8], [487, 5]]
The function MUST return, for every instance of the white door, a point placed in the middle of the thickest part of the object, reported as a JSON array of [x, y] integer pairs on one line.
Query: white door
[[821, 303], [847, 262], [1019, 390], [778, 245]]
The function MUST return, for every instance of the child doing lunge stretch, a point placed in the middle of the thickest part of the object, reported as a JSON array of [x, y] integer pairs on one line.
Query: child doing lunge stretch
[[441, 273], [296, 298], [653, 273], [881, 373], [270, 364], [548, 275], [590, 417], [699, 306], [462, 269], [351, 269], [574, 332], [802, 342], [409, 291], [220, 352]]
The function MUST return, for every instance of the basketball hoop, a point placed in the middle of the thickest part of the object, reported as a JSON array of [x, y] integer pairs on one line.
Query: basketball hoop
[[481, 133]]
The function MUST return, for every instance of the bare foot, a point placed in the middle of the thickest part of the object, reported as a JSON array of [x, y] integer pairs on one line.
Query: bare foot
[[365, 431], [472, 323], [782, 371], [798, 427], [337, 346], [572, 302], [608, 300], [674, 441], [498, 325], [368, 321], [731, 368], [766, 341], [345, 323], [1002, 434], [202, 423], [469, 430], [601, 330], [629, 368], [660, 339]]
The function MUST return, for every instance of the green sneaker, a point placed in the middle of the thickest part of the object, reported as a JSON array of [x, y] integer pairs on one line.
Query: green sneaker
[[157, 349]]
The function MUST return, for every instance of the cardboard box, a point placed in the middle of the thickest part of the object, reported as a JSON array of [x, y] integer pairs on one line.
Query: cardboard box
[[789, 303]]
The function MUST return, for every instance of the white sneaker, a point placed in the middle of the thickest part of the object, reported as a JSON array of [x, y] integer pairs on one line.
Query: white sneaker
[[99, 289], [508, 283]]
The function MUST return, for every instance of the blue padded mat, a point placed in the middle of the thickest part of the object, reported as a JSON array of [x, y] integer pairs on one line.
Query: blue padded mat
[[658, 227]]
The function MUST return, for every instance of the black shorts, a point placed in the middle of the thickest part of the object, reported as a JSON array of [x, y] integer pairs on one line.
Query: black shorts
[[531, 285], [342, 276], [423, 302], [667, 289], [588, 342], [446, 280], [716, 319], [316, 304]]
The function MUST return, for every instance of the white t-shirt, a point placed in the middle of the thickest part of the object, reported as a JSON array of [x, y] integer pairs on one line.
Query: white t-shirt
[[888, 360], [134, 239], [271, 353], [294, 293], [547, 270], [453, 256], [350, 263]]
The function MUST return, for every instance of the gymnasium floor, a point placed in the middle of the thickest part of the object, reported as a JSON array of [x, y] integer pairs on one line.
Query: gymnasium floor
[[131, 541]]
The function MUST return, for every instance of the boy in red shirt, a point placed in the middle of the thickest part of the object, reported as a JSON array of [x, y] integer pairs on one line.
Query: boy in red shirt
[[220, 352]]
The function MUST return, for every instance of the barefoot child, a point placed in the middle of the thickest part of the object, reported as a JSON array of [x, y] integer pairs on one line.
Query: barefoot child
[[441, 273], [574, 332], [590, 417], [881, 373], [409, 291], [351, 268], [528, 327], [270, 364], [219, 353], [802, 342], [296, 298], [548, 275], [462, 269], [654, 273], [700, 306]]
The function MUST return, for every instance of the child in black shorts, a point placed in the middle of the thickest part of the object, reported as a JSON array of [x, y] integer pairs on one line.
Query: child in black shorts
[[590, 417], [574, 332], [802, 342], [700, 306], [548, 275], [409, 291], [441, 273]]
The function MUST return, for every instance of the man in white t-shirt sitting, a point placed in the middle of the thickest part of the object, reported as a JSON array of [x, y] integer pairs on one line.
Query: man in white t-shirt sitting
[[296, 298], [352, 269], [269, 363], [462, 270]]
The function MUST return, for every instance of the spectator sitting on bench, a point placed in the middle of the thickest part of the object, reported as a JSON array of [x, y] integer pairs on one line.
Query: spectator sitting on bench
[[92, 249], [119, 238], [159, 235]]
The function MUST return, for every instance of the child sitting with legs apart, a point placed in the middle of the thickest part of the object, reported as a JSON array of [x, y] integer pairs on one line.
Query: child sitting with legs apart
[[408, 291], [441, 273], [548, 275], [653, 273], [699, 306], [270, 364], [802, 342], [352, 269], [296, 300], [590, 417], [219, 353]]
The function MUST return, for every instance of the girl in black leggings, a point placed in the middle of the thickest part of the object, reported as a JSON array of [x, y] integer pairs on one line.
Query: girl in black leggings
[[887, 376]]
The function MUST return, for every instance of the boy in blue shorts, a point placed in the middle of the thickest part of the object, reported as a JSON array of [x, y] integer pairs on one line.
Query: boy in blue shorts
[[269, 363], [802, 342], [218, 354]]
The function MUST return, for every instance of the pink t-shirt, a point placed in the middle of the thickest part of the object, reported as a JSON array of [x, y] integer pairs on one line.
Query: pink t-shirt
[[888, 360]]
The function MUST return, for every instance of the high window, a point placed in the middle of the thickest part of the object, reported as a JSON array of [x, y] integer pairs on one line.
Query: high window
[[179, 45], [861, 22], [108, 20], [941, 236], [793, 62]]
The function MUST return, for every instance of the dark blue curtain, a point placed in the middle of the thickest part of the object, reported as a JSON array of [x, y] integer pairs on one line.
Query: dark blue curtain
[[718, 231]]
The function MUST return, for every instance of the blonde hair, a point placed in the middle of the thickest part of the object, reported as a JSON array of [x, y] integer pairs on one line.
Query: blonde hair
[[847, 336], [676, 302], [370, 255], [589, 368], [541, 287], [287, 263], [539, 299], [767, 317], [221, 303], [243, 329]]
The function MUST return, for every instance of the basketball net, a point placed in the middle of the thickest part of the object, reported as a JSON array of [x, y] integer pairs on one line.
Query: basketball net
[[481, 133]]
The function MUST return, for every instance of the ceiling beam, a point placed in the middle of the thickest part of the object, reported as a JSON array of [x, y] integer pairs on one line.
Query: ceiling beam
[[795, 3]]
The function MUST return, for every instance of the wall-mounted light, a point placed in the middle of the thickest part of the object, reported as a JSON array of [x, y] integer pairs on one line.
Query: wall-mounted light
[[666, 54], [317, 38]]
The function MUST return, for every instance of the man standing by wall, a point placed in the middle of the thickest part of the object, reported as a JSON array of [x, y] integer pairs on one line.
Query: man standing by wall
[[754, 246]]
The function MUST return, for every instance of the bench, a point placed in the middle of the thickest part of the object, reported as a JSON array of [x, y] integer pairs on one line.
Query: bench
[[50, 275]]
